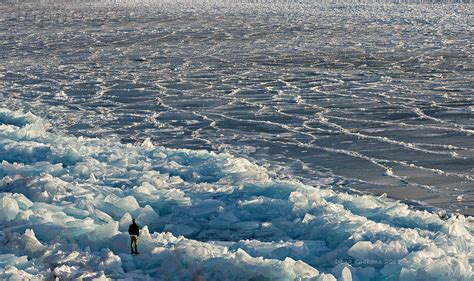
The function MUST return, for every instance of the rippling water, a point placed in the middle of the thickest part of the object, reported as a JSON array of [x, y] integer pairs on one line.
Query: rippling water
[[372, 97]]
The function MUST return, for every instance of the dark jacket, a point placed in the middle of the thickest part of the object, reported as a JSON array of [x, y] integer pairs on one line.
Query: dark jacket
[[133, 229]]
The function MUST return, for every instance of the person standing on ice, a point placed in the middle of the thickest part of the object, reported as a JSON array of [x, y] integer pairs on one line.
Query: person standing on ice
[[134, 232]]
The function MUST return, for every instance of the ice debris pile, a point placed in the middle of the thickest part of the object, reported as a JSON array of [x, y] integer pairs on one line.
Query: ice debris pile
[[66, 203]]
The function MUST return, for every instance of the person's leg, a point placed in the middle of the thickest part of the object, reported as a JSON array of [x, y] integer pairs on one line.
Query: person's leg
[[136, 245], [131, 244]]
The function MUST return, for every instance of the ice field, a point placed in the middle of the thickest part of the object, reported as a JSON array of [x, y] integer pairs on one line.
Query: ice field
[[251, 140], [67, 201], [372, 97]]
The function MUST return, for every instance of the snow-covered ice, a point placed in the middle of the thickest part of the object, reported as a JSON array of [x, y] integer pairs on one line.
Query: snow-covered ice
[[67, 201]]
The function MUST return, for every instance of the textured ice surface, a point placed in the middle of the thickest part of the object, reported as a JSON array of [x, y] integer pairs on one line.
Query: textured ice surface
[[373, 95], [67, 202]]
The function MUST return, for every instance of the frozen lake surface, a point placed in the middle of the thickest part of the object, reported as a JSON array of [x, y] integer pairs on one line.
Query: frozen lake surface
[[372, 97], [377, 98], [240, 126]]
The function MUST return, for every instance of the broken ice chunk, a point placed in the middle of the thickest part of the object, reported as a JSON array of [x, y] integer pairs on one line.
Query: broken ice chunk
[[8, 207], [105, 231], [128, 204], [184, 230], [205, 207], [75, 212], [23, 202], [147, 215], [245, 225], [103, 216], [125, 222], [30, 244]]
